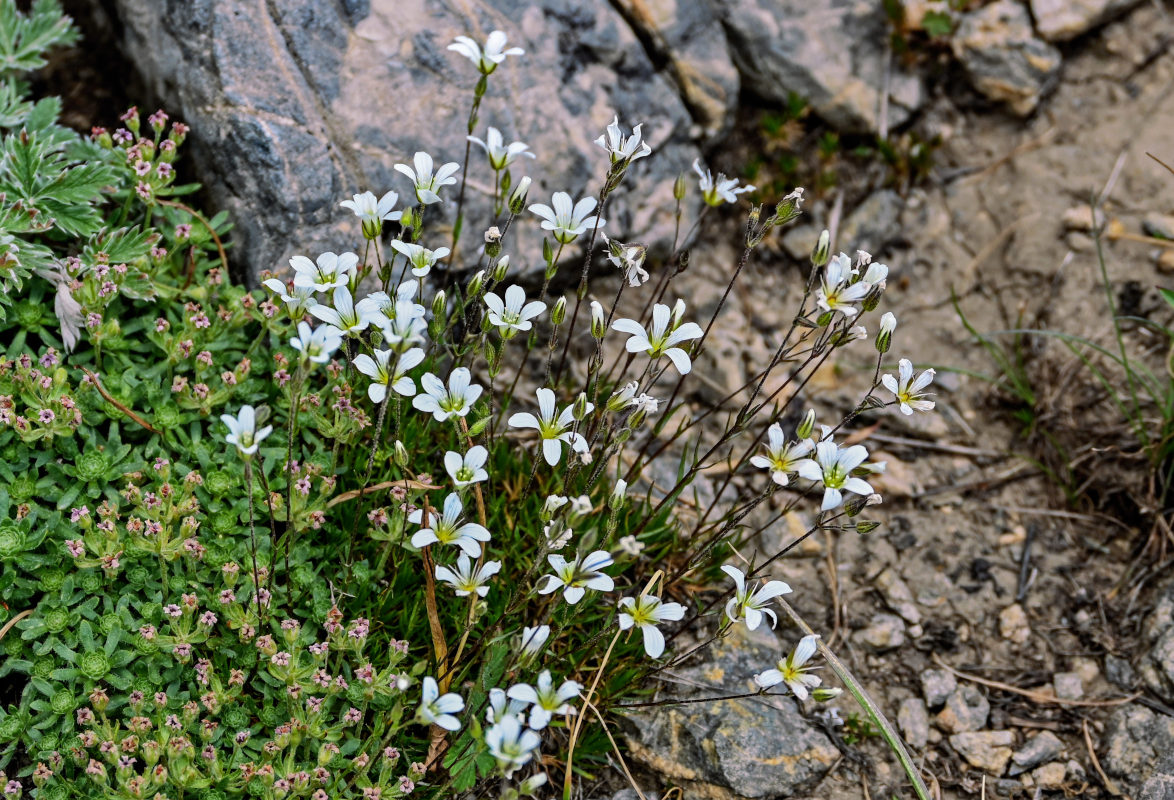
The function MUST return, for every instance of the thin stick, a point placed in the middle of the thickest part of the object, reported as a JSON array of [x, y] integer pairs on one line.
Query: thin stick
[[379, 487], [106, 396], [1110, 787], [1043, 698], [8, 625]]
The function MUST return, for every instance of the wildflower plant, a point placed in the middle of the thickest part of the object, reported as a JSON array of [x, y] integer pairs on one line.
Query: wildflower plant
[[339, 536]]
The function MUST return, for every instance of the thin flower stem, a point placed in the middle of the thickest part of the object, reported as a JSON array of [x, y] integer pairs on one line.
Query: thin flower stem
[[581, 292], [253, 541]]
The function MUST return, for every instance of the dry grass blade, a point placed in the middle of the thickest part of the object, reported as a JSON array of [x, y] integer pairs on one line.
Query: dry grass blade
[[8, 625], [106, 396], [1110, 787]]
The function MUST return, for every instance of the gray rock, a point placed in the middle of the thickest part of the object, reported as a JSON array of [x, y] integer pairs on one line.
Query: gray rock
[[1160, 225], [1068, 685], [830, 52], [800, 241], [1061, 20], [1119, 672], [719, 748], [1138, 749], [914, 722], [937, 685], [1004, 58], [296, 104], [966, 709], [682, 34], [987, 750], [898, 596], [885, 632], [1157, 664], [874, 224], [1042, 747]]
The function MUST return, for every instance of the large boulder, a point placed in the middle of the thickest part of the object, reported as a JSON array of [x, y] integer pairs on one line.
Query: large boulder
[[296, 104]]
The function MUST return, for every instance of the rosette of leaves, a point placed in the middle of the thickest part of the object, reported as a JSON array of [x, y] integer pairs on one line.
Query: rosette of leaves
[[21, 554], [96, 471]]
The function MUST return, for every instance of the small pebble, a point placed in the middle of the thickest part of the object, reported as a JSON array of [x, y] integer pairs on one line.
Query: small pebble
[[1013, 624], [937, 685], [1068, 685], [914, 722], [966, 709], [1049, 776], [1042, 747], [987, 750]]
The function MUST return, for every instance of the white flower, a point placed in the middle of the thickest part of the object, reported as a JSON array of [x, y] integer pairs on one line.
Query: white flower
[[623, 148], [909, 390], [372, 212], [488, 58], [512, 745], [500, 154], [344, 315], [888, 323], [876, 275], [421, 258], [836, 291], [403, 329], [316, 345], [833, 467], [438, 709], [427, 183], [331, 270], [581, 506], [533, 639], [545, 699], [466, 579], [383, 374], [793, 670], [552, 426], [242, 430], [781, 456], [297, 299], [662, 339], [631, 545], [501, 707], [380, 306], [575, 577], [557, 535], [723, 190], [514, 313], [567, 220], [646, 612], [448, 528], [629, 258], [467, 469], [552, 504], [752, 604], [445, 403]]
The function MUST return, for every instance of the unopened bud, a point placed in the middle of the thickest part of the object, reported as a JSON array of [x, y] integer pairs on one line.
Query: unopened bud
[[553, 503], [807, 425], [501, 268], [866, 526], [477, 284], [822, 251], [439, 304], [680, 187], [824, 694], [678, 312], [559, 312], [400, 455], [518, 195], [884, 339], [616, 501], [623, 398], [582, 406], [598, 321]]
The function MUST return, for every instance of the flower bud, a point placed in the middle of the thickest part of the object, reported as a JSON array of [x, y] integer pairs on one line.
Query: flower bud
[[559, 312], [501, 268], [598, 321], [616, 501], [680, 187], [582, 406], [678, 313], [884, 339], [372, 228], [493, 242], [477, 284], [518, 195], [439, 305], [807, 425], [532, 784], [400, 455], [822, 251], [824, 694], [866, 526]]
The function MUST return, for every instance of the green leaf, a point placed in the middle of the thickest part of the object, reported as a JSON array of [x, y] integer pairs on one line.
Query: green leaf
[[937, 23]]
